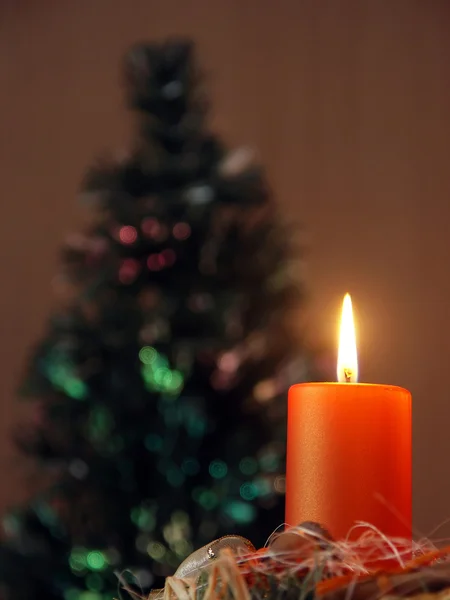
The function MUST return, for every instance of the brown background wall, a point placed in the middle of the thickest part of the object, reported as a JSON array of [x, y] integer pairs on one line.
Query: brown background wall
[[348, 104]]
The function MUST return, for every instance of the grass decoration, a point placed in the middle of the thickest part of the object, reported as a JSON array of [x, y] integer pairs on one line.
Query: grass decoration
[[301, 564]]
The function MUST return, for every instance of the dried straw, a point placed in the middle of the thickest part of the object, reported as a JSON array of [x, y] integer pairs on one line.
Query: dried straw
[[372, 567]]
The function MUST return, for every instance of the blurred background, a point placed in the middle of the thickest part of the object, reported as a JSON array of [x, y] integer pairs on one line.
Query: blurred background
[[347, 106]]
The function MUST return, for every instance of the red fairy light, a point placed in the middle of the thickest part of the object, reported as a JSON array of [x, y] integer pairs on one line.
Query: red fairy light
[[151, 227], [128, 270], [127, 234], [168, 257], [155, 262], [181, 231]]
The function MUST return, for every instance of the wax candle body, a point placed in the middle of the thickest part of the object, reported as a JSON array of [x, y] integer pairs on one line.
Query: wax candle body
[[349, 457]]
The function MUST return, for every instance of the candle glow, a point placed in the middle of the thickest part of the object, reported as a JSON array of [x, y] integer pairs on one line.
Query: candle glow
[[347, 363]]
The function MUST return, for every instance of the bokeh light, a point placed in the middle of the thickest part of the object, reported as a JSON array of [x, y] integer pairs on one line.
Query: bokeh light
[[100, 424], [96, 560], [241, 512], [280, 484], [128, 270], [175, 477], [190, 466], [72, 594], [94, 582], [128, 234], [157, 374], [163, 377], [156, 550], [88, 595], [153, 442], [61, 373], [264, 390], [229, 362], [208, 499], [176, 382], [182, 548], [75, 388], [270, 461], [248, 491], [218, 469], [168, 257], [248, 465], [263, 486], [77, 559], [144, 518], [151, 227], [147, 355], [196, 426], [181, 231], [155, 262]]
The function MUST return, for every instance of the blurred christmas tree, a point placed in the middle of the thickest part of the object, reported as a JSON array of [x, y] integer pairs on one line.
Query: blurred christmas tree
[[160, 385]]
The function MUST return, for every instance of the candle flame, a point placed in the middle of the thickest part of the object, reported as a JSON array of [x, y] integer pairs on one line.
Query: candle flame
[[347, 364]]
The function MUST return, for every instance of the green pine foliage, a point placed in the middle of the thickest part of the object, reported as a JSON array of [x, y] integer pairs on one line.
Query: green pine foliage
[[159, 388]]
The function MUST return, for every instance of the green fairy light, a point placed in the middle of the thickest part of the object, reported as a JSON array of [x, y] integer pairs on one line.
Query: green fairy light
[[218, 469], [134, 514], [162, 361], [94, 582], [163, 377], [196, 493], [72, 594], [90, 596], [175, 477], [208, 499], [144, 517], [241, 512], [148, 374], [77, 561], [101, 422], [196, 426], [248, 491], [58, 373], [190, 466], [96, 560], [171, 417], [248, 465], [157, 375], [61, 373], [147, 355], [46, 514], [146, 520], [75, 388], [176, 382], [270, 462], [263, 486], [153, 442]]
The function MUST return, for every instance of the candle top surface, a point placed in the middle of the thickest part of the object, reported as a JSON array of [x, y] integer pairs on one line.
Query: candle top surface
[[378, 386]]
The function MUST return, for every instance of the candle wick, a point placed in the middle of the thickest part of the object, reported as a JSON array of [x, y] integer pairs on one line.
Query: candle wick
[[348, 375]]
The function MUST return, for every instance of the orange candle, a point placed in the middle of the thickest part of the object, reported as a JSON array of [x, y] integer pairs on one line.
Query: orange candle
[[349, 450]]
